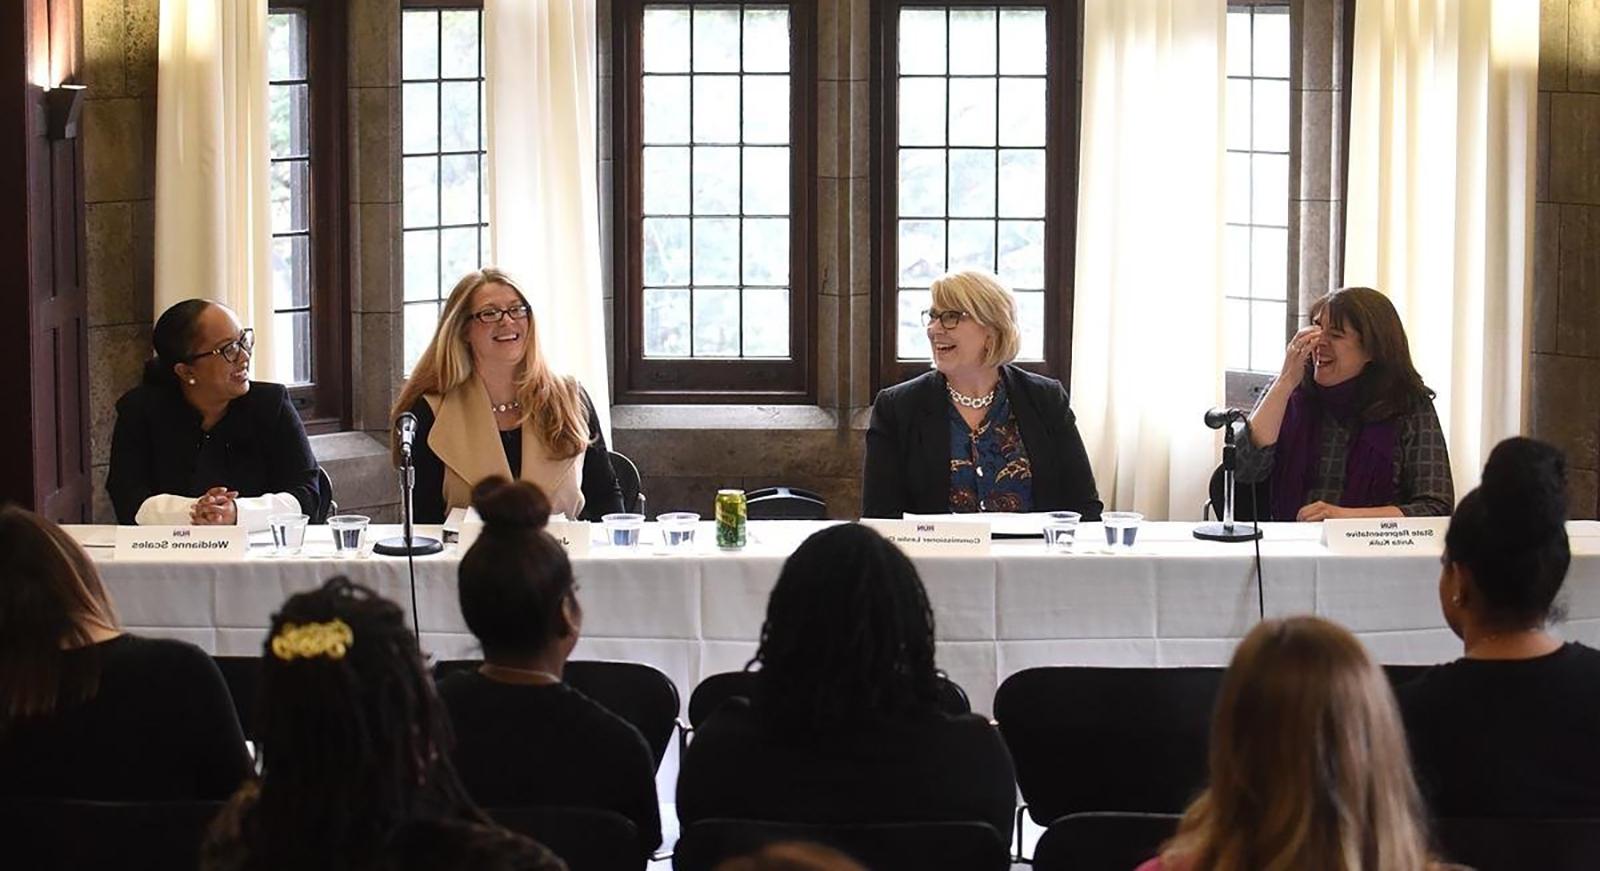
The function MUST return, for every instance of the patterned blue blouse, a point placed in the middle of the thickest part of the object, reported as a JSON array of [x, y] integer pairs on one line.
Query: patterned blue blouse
[[989, 469]]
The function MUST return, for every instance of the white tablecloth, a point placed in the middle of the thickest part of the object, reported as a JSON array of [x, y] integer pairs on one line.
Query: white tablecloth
[[1172, 601]]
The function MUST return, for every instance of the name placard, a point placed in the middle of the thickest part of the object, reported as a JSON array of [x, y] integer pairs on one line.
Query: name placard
[[573, 535], [935, 537], [182, 543], [1422, 535]]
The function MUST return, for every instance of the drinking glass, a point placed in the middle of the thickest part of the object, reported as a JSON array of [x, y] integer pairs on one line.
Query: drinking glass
[[677, 528], [622, 530], [1122, 527], [349, 530], [288, 532], [1061, 530]]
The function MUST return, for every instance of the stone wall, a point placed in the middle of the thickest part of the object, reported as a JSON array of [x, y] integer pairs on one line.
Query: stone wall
[[1566, 295]]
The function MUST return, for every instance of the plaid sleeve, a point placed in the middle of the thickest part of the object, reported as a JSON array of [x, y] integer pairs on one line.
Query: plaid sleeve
[[1252, 464], [1426, 486]]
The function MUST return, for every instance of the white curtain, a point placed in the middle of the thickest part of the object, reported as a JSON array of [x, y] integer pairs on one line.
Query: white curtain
[[1146, 332], [213, 226], [1440, 209], [544, 222]]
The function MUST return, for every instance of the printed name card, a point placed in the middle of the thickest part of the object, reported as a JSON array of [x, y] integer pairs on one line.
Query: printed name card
[[182, 543], [1386, 535], [935, 537], [573, 535]]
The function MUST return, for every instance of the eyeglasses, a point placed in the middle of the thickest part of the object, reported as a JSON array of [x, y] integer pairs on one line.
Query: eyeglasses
[[518, 312], [244, 344], [947, 319]]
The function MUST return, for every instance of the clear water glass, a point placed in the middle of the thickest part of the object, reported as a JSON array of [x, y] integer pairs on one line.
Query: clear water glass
[[349, 530], [1061, 530], [1122, 527], [677, 528], [622, 530], [288, 532]]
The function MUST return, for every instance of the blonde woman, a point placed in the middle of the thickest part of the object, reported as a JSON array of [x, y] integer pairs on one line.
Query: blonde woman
[[488, 404], [1309, 769], [976, 433]]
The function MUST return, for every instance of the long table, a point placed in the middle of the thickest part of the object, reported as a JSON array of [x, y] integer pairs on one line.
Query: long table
[[1171, 601]]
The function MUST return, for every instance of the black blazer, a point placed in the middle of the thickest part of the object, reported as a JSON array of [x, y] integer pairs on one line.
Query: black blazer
[[908, 447], [257, 447]]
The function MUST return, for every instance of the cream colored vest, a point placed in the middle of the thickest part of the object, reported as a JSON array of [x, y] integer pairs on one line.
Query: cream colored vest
[[467, 440]]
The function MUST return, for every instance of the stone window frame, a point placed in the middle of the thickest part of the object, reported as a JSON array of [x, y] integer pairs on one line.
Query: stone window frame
[[640, 380], [1061, 197]]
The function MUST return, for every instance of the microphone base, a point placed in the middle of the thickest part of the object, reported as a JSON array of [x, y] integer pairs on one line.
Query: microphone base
[[1218, 532], [418, 545]]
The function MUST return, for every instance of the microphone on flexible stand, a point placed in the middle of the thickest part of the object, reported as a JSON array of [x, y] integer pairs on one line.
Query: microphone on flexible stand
[[1227, 530], [408, 545]]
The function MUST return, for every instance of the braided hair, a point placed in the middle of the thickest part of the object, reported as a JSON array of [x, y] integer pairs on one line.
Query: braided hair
[[848, 637], [353, 745]]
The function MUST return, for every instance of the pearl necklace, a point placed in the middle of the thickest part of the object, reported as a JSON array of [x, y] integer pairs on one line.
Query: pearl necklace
[[966, 401], [502, 408]]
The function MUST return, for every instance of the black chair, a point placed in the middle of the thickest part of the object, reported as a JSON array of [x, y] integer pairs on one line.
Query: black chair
[[718, 688], [969, 846], [627, 473], [1102, 841], [326, 507], [639, 693], [53, 835], [1107, 739], [1519, 845], [784, 503], [587, 839], [1250, 501], [242, 674]]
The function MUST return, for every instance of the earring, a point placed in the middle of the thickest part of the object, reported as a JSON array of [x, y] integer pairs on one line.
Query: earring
[[191, 382], [1456, 599]]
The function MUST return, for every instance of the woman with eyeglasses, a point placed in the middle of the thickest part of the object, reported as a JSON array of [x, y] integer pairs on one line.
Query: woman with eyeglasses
[[487, 403], [977, 433], [200, 443]]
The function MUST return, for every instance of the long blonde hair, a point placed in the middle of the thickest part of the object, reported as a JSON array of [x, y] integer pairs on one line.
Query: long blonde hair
[[554, 403], [1309, 769]]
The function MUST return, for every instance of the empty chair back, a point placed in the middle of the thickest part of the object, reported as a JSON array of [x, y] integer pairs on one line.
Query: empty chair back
[[242, 674], [326, 507], [54, 835], [1102, 841], [587, 839], [1251, 502], [967, 846], [1519, 845], [784, 503], [629, 482], [718, 688], [1107, 739]]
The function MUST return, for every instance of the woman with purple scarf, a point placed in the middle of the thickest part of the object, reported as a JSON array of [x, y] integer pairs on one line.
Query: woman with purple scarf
[[1348, 428]]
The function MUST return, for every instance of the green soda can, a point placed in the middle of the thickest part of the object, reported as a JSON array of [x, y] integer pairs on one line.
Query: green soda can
[[730, 519]]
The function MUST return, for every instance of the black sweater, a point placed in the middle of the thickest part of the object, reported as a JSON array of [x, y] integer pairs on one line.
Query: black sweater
[[161, 727]]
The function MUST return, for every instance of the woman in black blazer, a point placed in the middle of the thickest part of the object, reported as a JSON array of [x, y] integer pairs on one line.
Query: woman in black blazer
[[198, 441], [976, 433]]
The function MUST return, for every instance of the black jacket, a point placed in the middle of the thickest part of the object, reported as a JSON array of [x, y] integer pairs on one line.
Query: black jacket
[[908, 447], [258, 447]]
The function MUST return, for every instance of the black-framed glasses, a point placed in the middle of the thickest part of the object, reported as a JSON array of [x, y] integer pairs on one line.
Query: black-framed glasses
[[518, 312], [244, 344], [947, 319]]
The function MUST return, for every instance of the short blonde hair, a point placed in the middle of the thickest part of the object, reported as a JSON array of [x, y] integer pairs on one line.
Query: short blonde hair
[[986, 301]]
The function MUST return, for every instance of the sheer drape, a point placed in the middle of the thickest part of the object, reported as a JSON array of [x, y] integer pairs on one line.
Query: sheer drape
[[213, 227], [1146, 358], [1440, 210], [539, 63]]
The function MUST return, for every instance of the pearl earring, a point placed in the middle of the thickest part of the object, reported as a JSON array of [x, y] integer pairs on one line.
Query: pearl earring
[[191, 381]]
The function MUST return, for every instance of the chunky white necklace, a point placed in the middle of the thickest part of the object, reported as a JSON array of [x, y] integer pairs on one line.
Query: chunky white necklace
[[966, 401], [504, 407]]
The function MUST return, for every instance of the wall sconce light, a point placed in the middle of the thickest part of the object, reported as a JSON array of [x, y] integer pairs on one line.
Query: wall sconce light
[[63, 105]]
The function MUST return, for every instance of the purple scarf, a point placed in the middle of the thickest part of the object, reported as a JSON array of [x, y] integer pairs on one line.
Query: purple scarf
[[1369, 466]]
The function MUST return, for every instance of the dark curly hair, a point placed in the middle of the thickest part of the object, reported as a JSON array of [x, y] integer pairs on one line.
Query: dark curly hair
[[1511, 532], [848, 637]]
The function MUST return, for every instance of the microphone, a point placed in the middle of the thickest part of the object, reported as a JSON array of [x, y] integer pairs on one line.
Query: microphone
[[406, 426], [1217, 418]]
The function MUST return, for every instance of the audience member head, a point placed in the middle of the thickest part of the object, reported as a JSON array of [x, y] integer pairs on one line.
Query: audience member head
[[1506, 553], [1309, 767], [792, 856], [848, 637], [352, 740], [201, 351], [51, 600], [984, 333], [515, 581], [1362, 336], [487, 323]]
